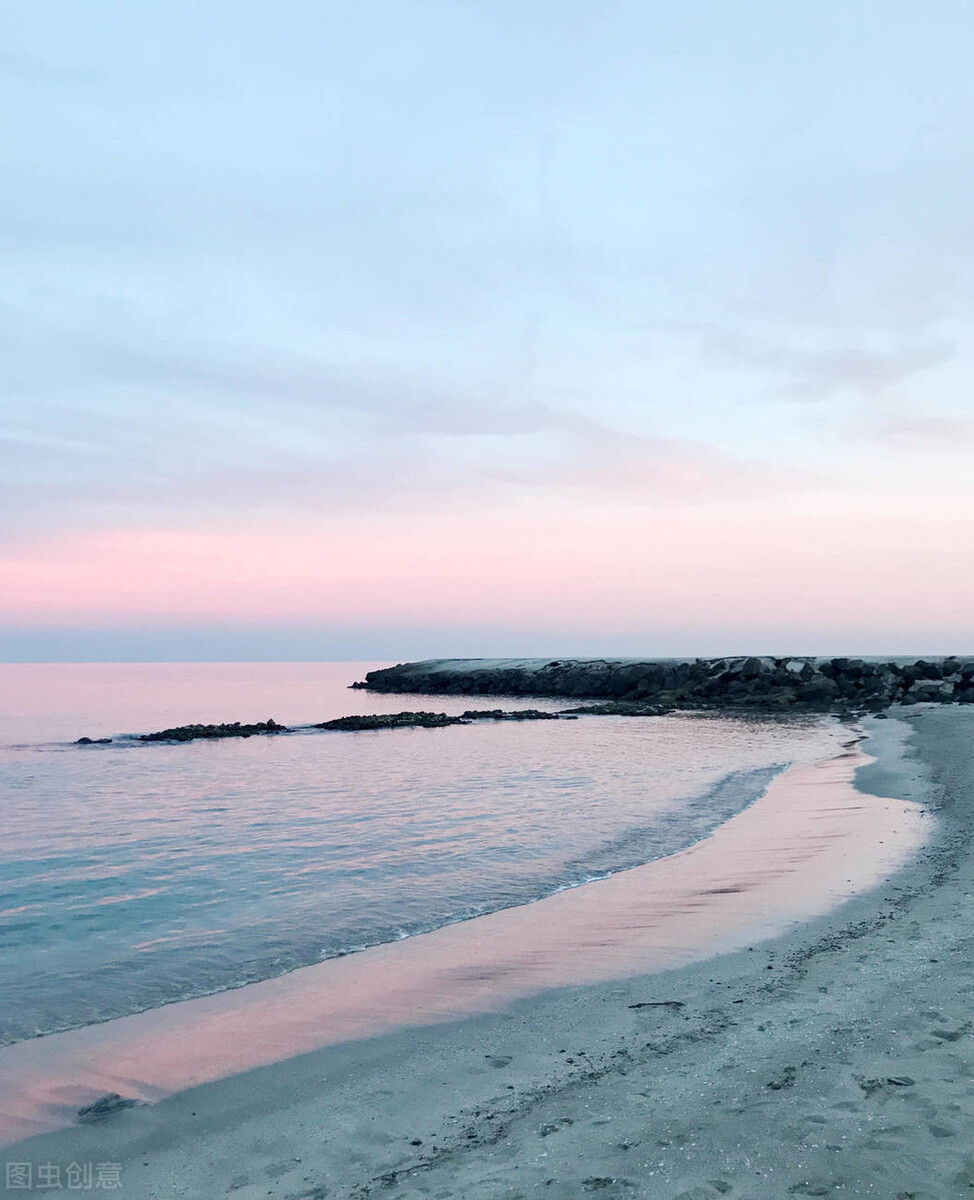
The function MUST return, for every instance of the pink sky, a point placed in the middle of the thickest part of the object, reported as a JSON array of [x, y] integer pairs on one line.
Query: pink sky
[[742, 568]]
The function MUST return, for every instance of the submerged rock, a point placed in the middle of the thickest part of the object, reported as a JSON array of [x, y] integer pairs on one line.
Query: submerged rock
[[400, 720], [434, 720], [516, 714], [190, 733], [618, 708]]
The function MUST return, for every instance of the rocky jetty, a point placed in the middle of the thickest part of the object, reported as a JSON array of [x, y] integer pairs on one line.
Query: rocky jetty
[[191, 733], [779, 684]]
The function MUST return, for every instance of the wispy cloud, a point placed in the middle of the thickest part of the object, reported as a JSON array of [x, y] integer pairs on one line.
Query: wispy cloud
[[820, 373], [35, 69], [911, 434], [130, 428]]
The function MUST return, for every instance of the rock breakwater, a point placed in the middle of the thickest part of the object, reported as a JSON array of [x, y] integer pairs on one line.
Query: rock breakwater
[[741, 682]]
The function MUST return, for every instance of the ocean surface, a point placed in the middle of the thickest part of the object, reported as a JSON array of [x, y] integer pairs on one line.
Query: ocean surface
[[133, 875]]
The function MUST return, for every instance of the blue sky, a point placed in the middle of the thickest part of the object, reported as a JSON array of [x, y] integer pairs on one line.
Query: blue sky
[[311, 267]]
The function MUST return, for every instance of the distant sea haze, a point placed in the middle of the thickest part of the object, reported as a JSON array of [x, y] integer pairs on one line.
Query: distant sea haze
[[136, 874]]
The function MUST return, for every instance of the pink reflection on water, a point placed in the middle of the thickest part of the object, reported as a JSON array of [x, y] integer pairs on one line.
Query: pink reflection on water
[[808, 843]]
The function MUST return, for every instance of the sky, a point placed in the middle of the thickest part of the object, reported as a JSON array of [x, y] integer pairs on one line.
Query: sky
[[384, 330]]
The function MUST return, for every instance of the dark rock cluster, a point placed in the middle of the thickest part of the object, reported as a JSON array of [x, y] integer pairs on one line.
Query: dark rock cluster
[[619, 708], [517, 714], [104, 1107], [190, 733], [433, 720], [399, 720], [767, 683]]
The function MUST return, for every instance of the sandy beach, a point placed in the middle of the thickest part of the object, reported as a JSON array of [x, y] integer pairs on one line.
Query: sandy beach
[[486, 650], [835, 1059]]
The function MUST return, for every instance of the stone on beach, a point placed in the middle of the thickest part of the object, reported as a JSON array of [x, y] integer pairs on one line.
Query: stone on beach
[[104, 1107]]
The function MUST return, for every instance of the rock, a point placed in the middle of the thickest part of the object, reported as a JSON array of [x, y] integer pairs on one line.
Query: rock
[[618, 708], [432, 720], [930, 691], [104, 1107], [190, 733], [819, 689], [87, 741], [516, 714], [400, 720]]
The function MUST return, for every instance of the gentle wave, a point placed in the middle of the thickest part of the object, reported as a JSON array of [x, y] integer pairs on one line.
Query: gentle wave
[[121, 994], [129, 881]]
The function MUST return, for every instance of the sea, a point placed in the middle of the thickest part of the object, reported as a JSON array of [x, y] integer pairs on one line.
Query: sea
[[134, 874]]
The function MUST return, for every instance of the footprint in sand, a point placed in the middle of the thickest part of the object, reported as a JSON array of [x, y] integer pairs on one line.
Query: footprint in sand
[[785, 1080], [276, 1170], [951, 1035], [941, 1131], [554, 1126]]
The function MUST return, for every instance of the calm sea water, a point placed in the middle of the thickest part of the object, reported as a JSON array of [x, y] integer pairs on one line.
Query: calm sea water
[[133, 875]]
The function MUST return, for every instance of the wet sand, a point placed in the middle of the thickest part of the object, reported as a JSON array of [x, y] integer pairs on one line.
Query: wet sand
[[808, 1063]]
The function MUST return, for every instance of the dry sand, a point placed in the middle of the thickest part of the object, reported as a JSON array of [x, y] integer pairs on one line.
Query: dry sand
[[836, 1060]]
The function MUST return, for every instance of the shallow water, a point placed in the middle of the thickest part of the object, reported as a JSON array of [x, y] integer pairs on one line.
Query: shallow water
[[809, 842], [133, 875]]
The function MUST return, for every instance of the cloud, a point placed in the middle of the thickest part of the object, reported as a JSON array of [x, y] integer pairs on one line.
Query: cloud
[[916, 434], [133, 426], [664, 471], [818, 374], [205, 464], [33, 69]]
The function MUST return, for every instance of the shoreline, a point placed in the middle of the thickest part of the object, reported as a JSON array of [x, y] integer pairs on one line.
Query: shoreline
[[226, 1091]]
